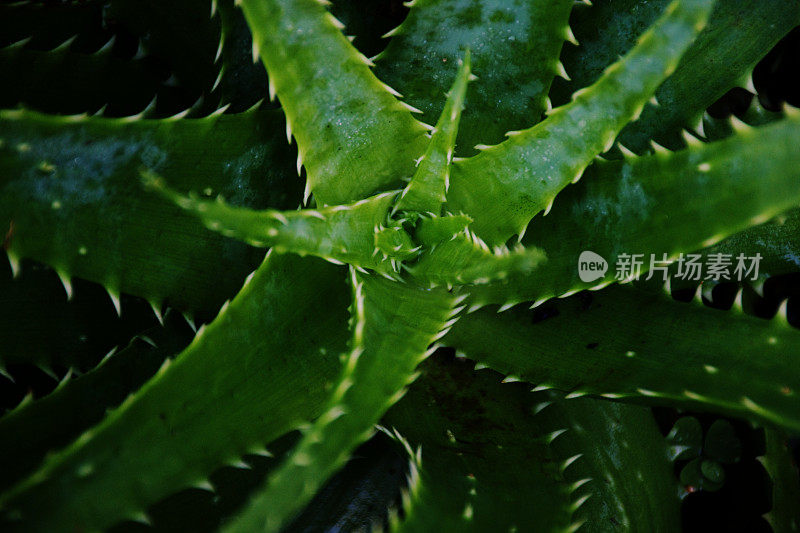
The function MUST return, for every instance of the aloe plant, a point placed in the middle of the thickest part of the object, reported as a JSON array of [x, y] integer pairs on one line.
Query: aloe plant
[[450, 217]]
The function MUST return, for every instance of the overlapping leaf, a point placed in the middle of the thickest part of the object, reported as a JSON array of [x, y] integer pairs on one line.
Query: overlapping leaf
[[505, 185], [616, 462], [393, 325], [43, 425], [494, 456], [428, 187], [514, 44], [340, 234], [738, 34], [628, 343], [660, 206], [233, 390], [72, 198], [484, 461], [465, 259], [332, 100]]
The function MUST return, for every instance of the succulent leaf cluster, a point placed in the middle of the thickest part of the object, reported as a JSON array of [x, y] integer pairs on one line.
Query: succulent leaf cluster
[[431, 200]]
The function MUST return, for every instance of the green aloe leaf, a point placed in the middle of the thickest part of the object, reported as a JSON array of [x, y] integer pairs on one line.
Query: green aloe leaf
[[738, 34], [432, 231], [515, 46], [72, 198], [229, 393], [663, 204], [332, 99], [466, 259], [608, 344], [505, 185], [776, 241], [393, 325], [34, 428], [242, 83], [340, 234], [482, 460], [275, 368], [428, 187], [491, 456], [617, 464], [395, 244]]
